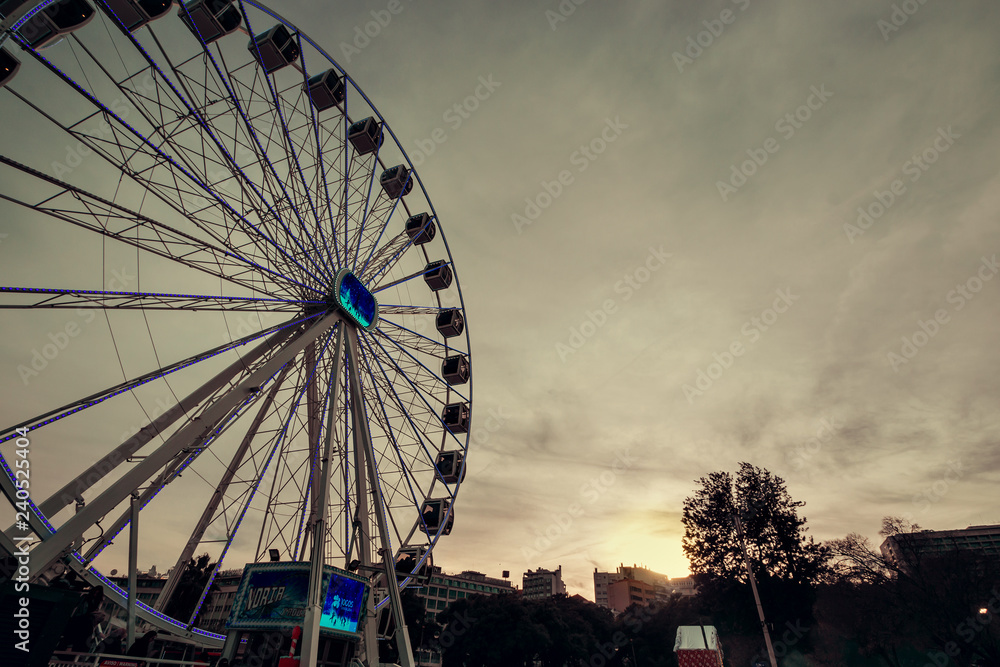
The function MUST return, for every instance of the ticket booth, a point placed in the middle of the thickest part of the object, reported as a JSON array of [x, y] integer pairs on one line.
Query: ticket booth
[[271, 602]]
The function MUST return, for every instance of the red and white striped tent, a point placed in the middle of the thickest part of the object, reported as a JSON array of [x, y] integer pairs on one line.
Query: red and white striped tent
[[698, 646]]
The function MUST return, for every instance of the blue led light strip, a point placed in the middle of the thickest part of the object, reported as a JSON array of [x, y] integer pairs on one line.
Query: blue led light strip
[[222, 426], [36, 423], [147, 295], [212, 195], [138, 217]]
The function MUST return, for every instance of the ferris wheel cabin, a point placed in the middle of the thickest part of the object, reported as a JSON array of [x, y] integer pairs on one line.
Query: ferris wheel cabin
[[433, 515], [450, 322], [55, 21], [136, 13], [274, 48], [449, 465], [211, 19], [420, 228], [396, 181], [456, 417], [365, 135], [326, 90], [437, 275], [456, 370]]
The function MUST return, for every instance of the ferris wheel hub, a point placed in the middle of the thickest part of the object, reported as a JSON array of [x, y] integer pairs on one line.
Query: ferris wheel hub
[[354, 300]]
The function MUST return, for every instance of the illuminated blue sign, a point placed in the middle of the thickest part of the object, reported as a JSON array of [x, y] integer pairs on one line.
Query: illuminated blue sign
[[275, 595], [355, 301]]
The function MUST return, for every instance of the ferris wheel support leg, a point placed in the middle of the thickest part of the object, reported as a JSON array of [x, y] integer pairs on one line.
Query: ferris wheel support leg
[[388, 560], [314, 605], [63, 497], [213, 504], [133, 567], [57, 544]]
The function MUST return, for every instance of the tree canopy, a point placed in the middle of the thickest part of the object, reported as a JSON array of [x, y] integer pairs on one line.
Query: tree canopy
[[776, 540]]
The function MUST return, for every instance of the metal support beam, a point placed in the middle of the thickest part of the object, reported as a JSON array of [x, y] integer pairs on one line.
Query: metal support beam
[[213, 504], [64, 496], [388, 555], [56, 545], [133, 568], [314, 604]]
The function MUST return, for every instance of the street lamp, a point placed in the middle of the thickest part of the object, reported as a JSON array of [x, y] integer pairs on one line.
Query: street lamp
[[753, 586]]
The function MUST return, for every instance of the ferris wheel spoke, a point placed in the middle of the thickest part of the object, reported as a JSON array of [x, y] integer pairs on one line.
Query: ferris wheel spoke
[[176, 466], [216, 134], [94, 213], [124, 131], [391, 434], [421, 272], [280, 440], [229, 81], [103, 299], [161, 126], [385, 224], [419, 393], [282, 331], [418, 432], [319, 165], [288, 144], [437, 377], [220, 492], [414, 340], [49, 550], [387, 257]]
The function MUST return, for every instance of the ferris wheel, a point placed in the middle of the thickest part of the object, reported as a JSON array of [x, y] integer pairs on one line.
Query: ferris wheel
[[224, 283]]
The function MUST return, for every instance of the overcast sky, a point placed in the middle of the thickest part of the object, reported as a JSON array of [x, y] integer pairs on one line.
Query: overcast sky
[[653, 209]]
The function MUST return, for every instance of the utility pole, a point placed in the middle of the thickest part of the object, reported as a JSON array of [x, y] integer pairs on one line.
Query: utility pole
[[753, 585]]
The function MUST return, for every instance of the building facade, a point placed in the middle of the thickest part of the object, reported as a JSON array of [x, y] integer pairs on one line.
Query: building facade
[[904, 548], [645, 579], [541, 583]]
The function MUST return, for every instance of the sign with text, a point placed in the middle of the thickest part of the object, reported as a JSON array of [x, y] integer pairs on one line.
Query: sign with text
[[274, 596]]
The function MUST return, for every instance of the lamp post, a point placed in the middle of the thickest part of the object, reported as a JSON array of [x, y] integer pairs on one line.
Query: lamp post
[[753, 586]]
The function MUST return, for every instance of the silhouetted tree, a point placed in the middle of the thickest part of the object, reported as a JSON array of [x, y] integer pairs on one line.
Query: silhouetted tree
[[190, 586], [787, 564]]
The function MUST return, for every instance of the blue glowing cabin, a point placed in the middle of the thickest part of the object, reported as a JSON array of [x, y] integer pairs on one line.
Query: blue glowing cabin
[[325, 90], [437, 275], [365, 135], [355, 301], [274, 48], [420, 228], [209, 20], [396, 181], [8, 67], [450, 322], [449, 466], [136, 13], [456, 416], [48, 26], [433, 516], [455, 369]]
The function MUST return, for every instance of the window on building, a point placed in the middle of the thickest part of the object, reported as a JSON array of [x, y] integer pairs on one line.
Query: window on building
[[452, 594]]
